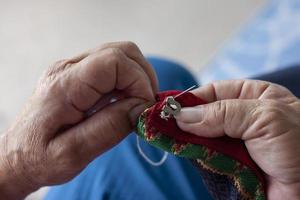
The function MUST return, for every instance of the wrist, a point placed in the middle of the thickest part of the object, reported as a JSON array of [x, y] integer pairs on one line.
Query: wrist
[[13, 184]]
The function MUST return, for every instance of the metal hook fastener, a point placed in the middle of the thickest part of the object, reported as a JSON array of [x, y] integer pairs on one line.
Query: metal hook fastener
[[171, 108]]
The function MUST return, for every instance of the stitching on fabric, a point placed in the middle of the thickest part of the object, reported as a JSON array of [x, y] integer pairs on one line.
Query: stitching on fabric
[[153, 135]]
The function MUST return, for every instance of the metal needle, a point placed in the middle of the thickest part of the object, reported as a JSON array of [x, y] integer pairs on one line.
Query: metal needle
[[189, 89]]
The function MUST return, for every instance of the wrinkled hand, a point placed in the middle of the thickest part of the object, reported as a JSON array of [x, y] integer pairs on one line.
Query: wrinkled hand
[[59, 133], [265, 115]]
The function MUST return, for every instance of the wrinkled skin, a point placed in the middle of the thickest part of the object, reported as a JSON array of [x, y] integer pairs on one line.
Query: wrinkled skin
[[69, 119], [265, 115]]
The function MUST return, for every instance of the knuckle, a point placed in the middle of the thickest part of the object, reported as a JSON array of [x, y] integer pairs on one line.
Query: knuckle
[[274, 91], [130, 46], [100, 48], [123, 45], [102, 60], [272, 118], [276, 87], [58, 63], [219, 110], [206, 122], [113, 55], [56, 67], [272, 110]]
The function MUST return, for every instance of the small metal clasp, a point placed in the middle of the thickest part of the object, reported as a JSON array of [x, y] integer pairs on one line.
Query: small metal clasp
[[171, 108]]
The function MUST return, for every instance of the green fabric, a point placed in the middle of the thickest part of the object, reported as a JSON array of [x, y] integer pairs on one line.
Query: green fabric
[[242, 177]]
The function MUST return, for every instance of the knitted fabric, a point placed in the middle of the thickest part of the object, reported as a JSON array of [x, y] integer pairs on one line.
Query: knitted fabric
[[224, 163]]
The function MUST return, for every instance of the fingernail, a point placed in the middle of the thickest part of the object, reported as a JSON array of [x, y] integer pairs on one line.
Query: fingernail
[[190, 114], [183, 112], [136, 112]]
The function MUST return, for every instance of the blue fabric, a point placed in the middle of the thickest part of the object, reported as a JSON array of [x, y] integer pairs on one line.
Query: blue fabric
[[268, 42], [288, 78], [123, 174]]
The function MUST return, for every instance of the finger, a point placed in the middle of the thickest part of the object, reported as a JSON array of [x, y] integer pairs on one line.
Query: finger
[[232, 89], [132, 51], [101, 73], [101, 131], [61, 65], [231, 117]]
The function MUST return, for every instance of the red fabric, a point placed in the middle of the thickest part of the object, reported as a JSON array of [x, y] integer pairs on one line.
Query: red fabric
[[235, 148]]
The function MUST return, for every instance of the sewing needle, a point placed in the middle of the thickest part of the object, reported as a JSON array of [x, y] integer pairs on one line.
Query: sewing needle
[[189, 89]]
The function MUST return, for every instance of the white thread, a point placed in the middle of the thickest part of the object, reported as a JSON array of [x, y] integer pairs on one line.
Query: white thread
[[156, 164], [185, 91]]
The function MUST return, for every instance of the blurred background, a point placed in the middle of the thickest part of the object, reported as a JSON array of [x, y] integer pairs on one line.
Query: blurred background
[[214, 39], [34, 34]]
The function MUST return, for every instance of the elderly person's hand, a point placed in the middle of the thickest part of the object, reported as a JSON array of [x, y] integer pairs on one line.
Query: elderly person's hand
[[266, 116], [81, 107]]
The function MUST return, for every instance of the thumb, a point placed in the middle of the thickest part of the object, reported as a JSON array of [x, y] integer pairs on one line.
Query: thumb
[[231, 117], [102, 130]]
